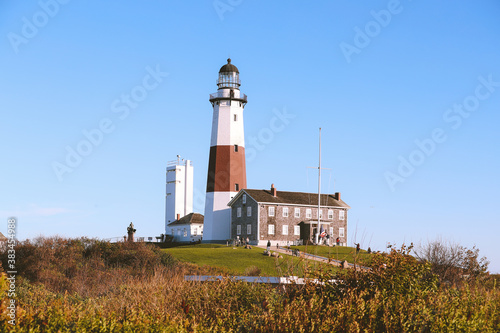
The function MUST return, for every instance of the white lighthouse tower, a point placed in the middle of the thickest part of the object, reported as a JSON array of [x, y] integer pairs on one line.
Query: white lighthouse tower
[[226, 167]]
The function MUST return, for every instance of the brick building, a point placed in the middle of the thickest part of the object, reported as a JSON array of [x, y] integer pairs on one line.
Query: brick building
[[286, 217]]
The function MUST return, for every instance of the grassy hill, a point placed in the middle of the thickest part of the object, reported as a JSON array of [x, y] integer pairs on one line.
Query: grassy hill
[[237, 260]]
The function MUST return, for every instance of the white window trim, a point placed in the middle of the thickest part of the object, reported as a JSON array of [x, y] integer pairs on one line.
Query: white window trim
[[308, 213], [238, 229], [330, 214], [249, 211], [249, 229], [270, 229], [296, 212], [244, 198], [341, 232], [285, 212], [238, 212], [341, 214], [284, 230], [271, 209], [295, 228]]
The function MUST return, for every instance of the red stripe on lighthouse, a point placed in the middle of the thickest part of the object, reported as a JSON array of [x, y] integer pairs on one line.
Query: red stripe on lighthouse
[[226, 168]]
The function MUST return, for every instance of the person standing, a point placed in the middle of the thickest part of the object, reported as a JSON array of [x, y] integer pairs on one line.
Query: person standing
[[268, 245]]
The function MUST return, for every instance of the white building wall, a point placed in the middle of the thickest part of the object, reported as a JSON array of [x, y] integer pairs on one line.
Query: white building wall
[[179, 191], [219, 214]]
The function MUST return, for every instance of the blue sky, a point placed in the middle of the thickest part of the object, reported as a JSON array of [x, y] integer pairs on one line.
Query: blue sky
[[407, 94]]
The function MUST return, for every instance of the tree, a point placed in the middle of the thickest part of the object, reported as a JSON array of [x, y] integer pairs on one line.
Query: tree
[[453, 263]]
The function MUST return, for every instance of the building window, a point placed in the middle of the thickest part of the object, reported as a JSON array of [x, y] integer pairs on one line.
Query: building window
[[270, 229], [249, 211], [296, 230], [178, 232], [244, 198], [330, 214], [285, 211], [185, 232], [235, 148], [236, 187], [195, 231], [238, 212], [235, 117], [238, 229], [309, 213], [285, 230], [249, 229], [341, 232], [331, 231], [271, 211], [297, 212], [341, 214], [321, 213]]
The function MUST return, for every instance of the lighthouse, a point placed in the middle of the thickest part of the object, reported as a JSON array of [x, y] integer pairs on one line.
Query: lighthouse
[[226, 166]]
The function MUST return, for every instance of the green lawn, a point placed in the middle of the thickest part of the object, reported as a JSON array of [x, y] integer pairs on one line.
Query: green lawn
[[238, 259]]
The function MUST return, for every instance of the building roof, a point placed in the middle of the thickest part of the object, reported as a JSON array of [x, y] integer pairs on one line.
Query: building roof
[[229, 67], [3, 238], [293, 198], [192, 218]]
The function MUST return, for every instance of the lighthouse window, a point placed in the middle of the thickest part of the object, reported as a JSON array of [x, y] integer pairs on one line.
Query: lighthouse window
[[235, 148], [235, 117], [236, 187]]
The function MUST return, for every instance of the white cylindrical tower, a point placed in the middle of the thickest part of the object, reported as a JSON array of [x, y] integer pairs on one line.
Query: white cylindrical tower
[[226, 167], [179, 190]]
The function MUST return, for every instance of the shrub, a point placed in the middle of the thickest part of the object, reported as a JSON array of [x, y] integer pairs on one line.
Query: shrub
[[252, 271], [74, 265]]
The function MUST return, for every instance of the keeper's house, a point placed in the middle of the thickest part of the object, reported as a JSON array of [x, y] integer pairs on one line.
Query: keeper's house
[[287, 218]]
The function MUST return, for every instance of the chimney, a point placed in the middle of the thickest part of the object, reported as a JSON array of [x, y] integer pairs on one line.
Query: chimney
[[273, 190], [337, 196], [178, 217]]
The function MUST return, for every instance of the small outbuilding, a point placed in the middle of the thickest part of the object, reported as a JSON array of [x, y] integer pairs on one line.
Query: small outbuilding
[[187, 229]]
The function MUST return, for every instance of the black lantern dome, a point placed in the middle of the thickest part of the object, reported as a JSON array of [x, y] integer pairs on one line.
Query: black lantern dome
[[229, 76]]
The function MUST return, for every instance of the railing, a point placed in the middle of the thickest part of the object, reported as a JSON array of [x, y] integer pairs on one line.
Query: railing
[[136, 239], [179, 162], [221, 94]]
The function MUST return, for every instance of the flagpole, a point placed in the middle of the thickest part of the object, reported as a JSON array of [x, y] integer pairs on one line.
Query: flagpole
[[319, 190]]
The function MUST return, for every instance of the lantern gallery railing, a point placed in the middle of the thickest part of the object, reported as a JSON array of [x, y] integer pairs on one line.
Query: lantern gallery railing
[[227, 94]]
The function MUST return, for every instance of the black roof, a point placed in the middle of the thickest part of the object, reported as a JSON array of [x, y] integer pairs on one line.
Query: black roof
[[188, 219], [295, 198], [229, 67]]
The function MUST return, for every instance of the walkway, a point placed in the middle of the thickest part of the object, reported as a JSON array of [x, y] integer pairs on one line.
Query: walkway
[[309, 256]]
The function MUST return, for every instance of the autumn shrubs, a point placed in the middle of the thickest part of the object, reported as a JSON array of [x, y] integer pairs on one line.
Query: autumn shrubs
[[399, 294], [83, 265]]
